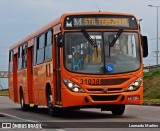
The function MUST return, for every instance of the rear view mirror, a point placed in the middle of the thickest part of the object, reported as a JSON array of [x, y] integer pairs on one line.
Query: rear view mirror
[[59, 40], [144, 45]]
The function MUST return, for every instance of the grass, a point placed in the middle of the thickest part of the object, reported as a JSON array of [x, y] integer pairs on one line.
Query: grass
[[152, 86], [4, 92], [152, 101]]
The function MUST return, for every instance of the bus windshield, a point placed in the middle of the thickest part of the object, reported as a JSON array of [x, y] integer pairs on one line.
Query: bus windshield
[[120, 57]]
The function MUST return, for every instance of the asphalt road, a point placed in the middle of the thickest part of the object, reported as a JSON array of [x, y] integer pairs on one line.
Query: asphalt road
[[11, 112]]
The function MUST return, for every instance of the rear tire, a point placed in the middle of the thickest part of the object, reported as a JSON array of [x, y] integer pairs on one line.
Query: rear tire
[[35, 107], [117, 109], [24, 106]]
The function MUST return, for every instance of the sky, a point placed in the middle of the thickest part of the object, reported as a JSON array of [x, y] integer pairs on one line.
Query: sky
[[19, 18]]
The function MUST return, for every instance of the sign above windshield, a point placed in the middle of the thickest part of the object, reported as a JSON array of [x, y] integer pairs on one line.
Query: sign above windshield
[[100, 21]]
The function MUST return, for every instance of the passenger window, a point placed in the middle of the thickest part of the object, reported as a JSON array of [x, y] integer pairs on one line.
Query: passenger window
[[11, 61], [48, 47], [41, 41], [35, 52], [49, 37], [40, 49], [20, 57], [24, 56]]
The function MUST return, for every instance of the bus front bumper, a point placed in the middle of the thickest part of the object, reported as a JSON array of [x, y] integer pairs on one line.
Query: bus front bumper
[[72, 99]]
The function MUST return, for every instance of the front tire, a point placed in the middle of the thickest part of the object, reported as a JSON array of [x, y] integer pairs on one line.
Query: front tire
[[24, 106], [53, 111], [118, 109]]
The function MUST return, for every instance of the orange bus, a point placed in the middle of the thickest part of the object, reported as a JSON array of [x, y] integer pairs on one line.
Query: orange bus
[[80, 60]]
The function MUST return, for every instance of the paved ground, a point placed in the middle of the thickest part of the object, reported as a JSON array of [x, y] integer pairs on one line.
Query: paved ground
[[91, 118]]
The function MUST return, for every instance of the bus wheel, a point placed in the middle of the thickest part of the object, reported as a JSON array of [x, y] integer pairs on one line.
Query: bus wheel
[[117, 109], [24, 106], [53, 111], [35, 107]]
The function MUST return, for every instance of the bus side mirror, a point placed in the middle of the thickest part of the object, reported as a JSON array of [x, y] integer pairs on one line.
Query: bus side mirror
[[59, 40], [144, 45]]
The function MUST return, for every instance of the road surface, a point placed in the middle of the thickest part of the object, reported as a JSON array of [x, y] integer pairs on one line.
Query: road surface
[[11, 112]]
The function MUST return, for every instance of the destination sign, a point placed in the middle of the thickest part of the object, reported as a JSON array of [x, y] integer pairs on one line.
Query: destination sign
[[124, 22], [103, 21]]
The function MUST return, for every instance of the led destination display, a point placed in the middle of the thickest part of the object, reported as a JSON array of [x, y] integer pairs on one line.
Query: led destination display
[[124, 22], [104, 21]]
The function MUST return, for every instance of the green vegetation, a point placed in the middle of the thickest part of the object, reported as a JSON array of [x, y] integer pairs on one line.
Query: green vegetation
[[4, 92], [152, 86], [152, 101]]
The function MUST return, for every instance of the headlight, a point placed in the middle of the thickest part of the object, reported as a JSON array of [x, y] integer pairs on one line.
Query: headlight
[[135, 85], [72, 86]]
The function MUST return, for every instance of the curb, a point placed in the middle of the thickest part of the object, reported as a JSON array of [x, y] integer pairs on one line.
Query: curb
[[4, 95], [151, 104]]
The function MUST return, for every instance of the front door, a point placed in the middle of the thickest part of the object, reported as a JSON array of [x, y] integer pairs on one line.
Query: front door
[[57, 73], [30, 74]]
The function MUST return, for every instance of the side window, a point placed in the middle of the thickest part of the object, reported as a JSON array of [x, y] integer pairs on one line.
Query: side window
[[40, 49], [20, 57], [48, 46], [35, 52], [11, 61], [41, 41], [49, 37], [24, 55]]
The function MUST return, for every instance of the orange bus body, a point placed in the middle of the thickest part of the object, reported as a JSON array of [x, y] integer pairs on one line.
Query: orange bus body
[[34, 80]]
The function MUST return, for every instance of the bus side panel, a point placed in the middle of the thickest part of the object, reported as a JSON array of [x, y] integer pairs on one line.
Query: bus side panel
[[42, 84], [48, 77], [15, 89], [43, 74], [22, 82], [39, 83], [35, 84], [10, 81]]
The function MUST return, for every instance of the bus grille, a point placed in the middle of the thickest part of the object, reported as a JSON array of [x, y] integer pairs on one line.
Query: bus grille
[[100, 90], [104, 98]]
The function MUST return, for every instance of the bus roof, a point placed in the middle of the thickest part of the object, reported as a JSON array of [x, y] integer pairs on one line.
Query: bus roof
[[58, 21], [90, 13]]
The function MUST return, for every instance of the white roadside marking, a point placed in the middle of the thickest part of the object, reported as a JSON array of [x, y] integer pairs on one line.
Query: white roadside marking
[[17, 117], [27, 120], [148, 118], [61, 130]]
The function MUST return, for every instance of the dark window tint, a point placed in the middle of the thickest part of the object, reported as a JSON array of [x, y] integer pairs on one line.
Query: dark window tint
[[48, 47], [20, 57], [35, 51], [24, 56], [40, 49], [49, 37], [11, 61], [41, 41], [40, 56], [43, 48]]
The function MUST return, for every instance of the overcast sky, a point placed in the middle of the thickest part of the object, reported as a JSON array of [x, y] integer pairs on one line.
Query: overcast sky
[[18, 18]]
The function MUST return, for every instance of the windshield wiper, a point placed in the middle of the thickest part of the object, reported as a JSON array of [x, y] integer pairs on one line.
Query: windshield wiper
[[90, 40], [116, 38]]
